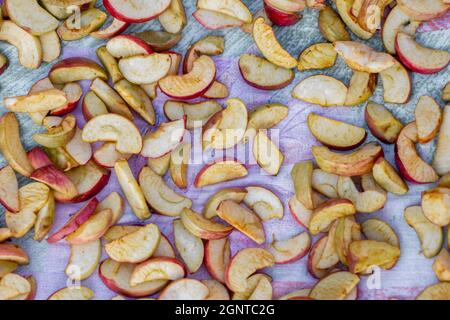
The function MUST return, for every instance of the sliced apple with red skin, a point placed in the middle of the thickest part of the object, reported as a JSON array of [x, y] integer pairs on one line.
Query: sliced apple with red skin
[[111, 98], [51, 46], [92, 229], [344, 8], [38, 101], [163, 140], [159, 165], [84, 259], [44, 218], [107, 155], [217, 258], [254, 70], [73, 93], [331, 25], [110, 63], [75, 221], [79, 150], [173, 19], [13, 253], [245, 263], [136, 11], [189, 246], [264, 203], [290, 250], [418, 58], [72, 293], [336, 134], [236, 194], [160, 196], [214, 20], [113, 127], [428, 117], [209, 45], [242, 219], [382, 123], [57, 180], [367, 201], [408, 161], [364, 254], [197, 114], [116, 27], [28, 46], [328, 212], [192, 84], [202, 227], [336, 286], [162, 268], [58, 136], [9, 189], [280, 17], [125, 46], [185, 289], [300, 213], [115, 203], [76, 69], [90, 20], [93, 106], [424, 10], [19, 223], [440, 161], [311, 90], [144, 69], [220, 171], [265, 116], [160, 41], [362, 85]]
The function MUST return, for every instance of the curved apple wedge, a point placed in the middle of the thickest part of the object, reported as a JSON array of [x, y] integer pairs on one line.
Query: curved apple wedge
[[93, 106], [116, 27], [112, 100], [245, 263], [92, 229], [220, 171], [418, 58], [436, 206], [388, 178], [439, 291], [267, 154], [14, 287], [57, 180], [189, 246], [197, 114], [160, 197], [162, 268], [424, 10], [193, 84], [160, 41], [312, 90], [382, 123], [235, 194], [110, 63], [44, 219], [159, 165], [179, 160], [113, 127], [107, 155], [301, 175], [362, 86], [300, 213], [326, 213], [173, 19], [72, 293], [125, 46], [135, 247], [136, 11], [335, 134], [209, 45], [78, 149], [428, 117], [256, 71], [19, 223], [259, 287], [38, 23], [440, 161], [344, 8], [441, 265], [215, 20], [242, 219], [33, 196], [331, 25], [185, 289], [234, 8], [280, 17], [58, 136], [217, 258], [367, 201], [364, 254], [217, 91], [317, 56], [292, 249], [265, 116], [163, 140], [38, 101], [76, 69], [73, 93], [13, 253], [90, 20], [379, 230], [9, 189], [264, 203], [336, 286], [84, 259], [202, 227]]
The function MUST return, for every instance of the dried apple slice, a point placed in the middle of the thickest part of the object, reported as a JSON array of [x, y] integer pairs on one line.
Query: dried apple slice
[[79, 150], [364, 254], [214, 20], [110, 64], [136, 11], [58, 136], [441, 265], [244, 264], [126, 45], [265, 116], [185, 289], [236, 194], [302, 178], [76, 69], [424, 10], [44, 219], [328, 212], [269, 46], [178, 167], [202, 227], [264, 203], [317, 56], [93, 106], [41, 21], [9, 189], [197, 114], [267, 154], [300, 213], [14, 287], [39, 101], [21, 222], [55, 179], [397, 84], [331, 25], [302, 293], [28, 46], [217, 291], [347, 231], [92, 229], [362, 86], [280, 17], [388, 178], [436, 206], [164, 139], [325, 183], [320, 89], [160, 41], [162, 268], [4, 63], [7, 267], [73, 93], [439, 291], [107, 155], [159, 165], [428, 118], [189, 246], [336, 286], [378, 230], [344, 8], [220, 171], [51, 46], [217, 258], [367, 201], [290, 250], [90, 21], [13, 253], [84, 259], [116, 27], [234, 8], [159, 196], [111, 98], [242, 219], [173, 19], [382, 123], [113, 127], [33, 196], [72, 293], [440, 161], [259, 287], [209, 45], [396, 21]]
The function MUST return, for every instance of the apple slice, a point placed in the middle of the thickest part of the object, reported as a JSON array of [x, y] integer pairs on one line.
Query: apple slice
[[269, 46], [418, 58], [21, 222], [73, 293], [113, 127], [331, 26], [202, 227], [369, 13], [424, 10], [116, 27], [325, 183], [136, 246], [125, 46], [110, 64], [39, 101], [28, 46], [328, 212], [290, 250], [137, 99], [367, 201], [4, 63], [90, 20], [382, 123], [441, 265], [242, 219], [185, 289], [265, 116], [302, 293], [115, 203], [410, 164], [388, 178], [57, 180], [378, 230], [79, 150], [289, 5], [264, 203], [259, 287], [160, 41], [217, 91], [144, 69], [33, 196], [236, 194], [336, 286], [13, 253], [312, 90], [301, 175], [76, 220], [439, 291], [217, 291], [116, 276], [267, 154], [150, 89], [58, 136], [440, 162], [173, 19], [280, 17], [76, 69], [159, 165], [107, 155], [14, 286], [164, 139], [436, 206], [9, 189], [347, 231], [217, 258], [51, 46], [214, 20], [163, 268], [50, 122], [344, 8], [197, 114], [428, 118], [209, 45], [44, 219], [73, 93], [356, 163], [317, 56], [234, 8], [84, 259], [193, 84], [397, 84], [220, 171], [93, 106], [136, 11], [255, 71], [336, 134], [92, 229], [244, 264], [189, 246], [111, 98], [364, 254], [300, 213], [179, 160], [362, 85]]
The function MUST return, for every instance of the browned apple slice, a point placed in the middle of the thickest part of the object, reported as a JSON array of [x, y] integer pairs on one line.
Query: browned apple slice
[[328, 212], [290, 250], [202, 227], [344, 8], [269, 46], [160, 41], [362, 85], [173, 19], [51, 46], [127, 45], [90, 21], [322, 90], [116, 27], [244, 264], [159, 165], [160, 196], [73, 293], [336, 286], [217, 258], [439, 291], [178, 167], [164, 139], [428, 118], [317, 56], [220, 171], [58, 136], [397, 84], [185, 289], [440, 161], [356, 163], [265, 116], [9, 189], [436, 206], [7, 267], [302, 178], [441, 265], [382, 123], [44, 219], [242, 219], [93, 106], [424, 10], [267, 154], [412, 167], [335, 134], [388, 178], [248, 27], [235, 194], [4, 63], [111, 98], [189, 246], [378, 230], [197, 114], [39, 101], [110, 64], [73, 94], [367, 201], [331, 25], [84, 259], [28, 46], [162, 268], [264, 203], [76, 69], [254, 70], [21, 222], [364, 254], [13, 253], [370, 13]]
